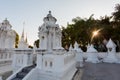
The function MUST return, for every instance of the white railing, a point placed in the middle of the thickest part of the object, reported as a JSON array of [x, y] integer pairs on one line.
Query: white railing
[[101, 54], [6, 56]]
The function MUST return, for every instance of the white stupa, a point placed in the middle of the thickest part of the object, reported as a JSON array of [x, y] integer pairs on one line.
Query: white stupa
[[70, 48], [77, 48], [79, 55], [111, 57], [92, 55], [23, 42], [7, 35]]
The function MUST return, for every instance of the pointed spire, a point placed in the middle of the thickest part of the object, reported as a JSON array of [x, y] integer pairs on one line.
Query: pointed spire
[[26, 40], [76, 46], [23, 33], [23, 30], [110, 44]]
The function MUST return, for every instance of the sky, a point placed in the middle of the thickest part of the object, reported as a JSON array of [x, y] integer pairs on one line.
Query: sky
[[32, 12]]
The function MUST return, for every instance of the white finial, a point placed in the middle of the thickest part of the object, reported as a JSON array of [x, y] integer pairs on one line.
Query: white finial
[[5, 18], [49, 12], [110, 44]]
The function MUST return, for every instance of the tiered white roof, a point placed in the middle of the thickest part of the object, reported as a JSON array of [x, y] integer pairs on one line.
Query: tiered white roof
[[5, 25], [110, 44], [49, 19], [91, 49]]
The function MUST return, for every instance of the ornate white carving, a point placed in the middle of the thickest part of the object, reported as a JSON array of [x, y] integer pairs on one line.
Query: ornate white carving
[[49, 34], [7, 35]]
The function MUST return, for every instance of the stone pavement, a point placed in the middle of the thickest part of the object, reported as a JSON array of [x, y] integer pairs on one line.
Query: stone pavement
[[101, 71], [5, 71]]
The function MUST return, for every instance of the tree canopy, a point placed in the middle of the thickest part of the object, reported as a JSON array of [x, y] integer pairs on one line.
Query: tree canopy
[[81, 30]]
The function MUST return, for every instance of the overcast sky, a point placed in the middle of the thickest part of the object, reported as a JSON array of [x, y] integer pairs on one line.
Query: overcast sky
[[32, 12]]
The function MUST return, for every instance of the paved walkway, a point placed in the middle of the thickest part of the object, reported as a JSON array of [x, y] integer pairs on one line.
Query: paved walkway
[[5, 71], [101, 71]]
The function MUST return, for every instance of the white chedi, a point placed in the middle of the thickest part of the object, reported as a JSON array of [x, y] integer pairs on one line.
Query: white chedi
[[7, 35], [77, 48], [92, 55], [71, 48], [23, 42], [111, 46], [49, 34], [79, 55], [111, 57]]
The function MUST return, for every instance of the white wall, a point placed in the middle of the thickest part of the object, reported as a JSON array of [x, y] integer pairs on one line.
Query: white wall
[[22, 58]]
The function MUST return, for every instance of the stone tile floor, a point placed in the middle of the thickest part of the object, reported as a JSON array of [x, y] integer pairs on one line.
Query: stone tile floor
[[5, 71], [101, 71]]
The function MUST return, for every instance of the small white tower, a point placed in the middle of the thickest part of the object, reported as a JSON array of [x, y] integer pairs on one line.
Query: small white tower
[[92, 55], [111, 46], [111, 57], [23, 42], [70, 48], [79, 55]]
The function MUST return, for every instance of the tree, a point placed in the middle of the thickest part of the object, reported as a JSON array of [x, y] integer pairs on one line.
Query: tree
[[16, 40], [79, 31], [116, 14], [36, 43]]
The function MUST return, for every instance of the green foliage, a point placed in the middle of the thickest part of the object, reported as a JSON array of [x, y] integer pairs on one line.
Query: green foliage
[[82, 30], [37, 43], [30, 46], [116, 14], [16, 40]]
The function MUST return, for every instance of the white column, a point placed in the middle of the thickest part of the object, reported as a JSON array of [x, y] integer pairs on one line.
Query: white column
[[14, 60], [27, 59], [49, 42], [39, 61]]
